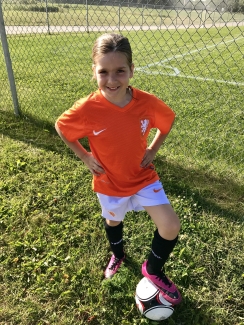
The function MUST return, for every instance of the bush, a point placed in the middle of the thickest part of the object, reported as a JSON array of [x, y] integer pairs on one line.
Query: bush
[[43, 9], [37, 8], [236, 6]]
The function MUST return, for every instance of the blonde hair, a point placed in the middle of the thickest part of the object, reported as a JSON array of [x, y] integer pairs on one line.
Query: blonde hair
[[107, 43]]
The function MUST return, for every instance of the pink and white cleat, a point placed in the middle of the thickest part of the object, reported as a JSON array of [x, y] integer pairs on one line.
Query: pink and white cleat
[[113, 266], [165, 285]]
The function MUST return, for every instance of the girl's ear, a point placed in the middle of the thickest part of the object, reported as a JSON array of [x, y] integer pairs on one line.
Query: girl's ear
[[94, 71], [132, 70]]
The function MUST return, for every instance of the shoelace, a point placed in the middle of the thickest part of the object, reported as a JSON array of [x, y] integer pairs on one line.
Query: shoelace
[[115, 263], [164, 279]]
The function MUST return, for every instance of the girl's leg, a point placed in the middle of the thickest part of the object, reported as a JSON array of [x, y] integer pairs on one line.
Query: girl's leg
[[164, 241], [165, 237], [114, 231]]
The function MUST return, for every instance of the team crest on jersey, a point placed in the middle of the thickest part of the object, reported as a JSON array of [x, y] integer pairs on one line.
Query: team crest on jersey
[[144, 125]]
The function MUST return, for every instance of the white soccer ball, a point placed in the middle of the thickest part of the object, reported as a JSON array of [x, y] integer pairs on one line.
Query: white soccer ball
[[150, 301]]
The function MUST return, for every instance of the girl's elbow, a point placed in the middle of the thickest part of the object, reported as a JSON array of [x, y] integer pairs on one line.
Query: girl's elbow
[[58, 129]]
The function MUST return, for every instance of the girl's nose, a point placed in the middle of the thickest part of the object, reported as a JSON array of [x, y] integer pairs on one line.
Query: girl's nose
[[111, 78]]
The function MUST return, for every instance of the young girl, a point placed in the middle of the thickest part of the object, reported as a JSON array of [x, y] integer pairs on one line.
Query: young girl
[[117, 119]]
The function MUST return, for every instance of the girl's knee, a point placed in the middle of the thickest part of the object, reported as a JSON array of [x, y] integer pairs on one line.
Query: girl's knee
[[176, 225], [165, 219], [170, 229], [112, 223]]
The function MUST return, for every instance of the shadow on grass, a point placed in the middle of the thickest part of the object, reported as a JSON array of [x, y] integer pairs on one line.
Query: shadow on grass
[[30, 130], [187, 312], [215, 194], [219, 195]]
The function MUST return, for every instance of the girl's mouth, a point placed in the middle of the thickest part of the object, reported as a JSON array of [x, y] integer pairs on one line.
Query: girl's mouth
[[113, 88]]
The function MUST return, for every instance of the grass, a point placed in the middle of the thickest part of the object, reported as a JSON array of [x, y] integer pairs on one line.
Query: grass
[[52, 236], [53, 246], [80, 15]]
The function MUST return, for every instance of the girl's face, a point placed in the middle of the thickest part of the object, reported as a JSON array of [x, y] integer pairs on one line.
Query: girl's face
[[112, 72]]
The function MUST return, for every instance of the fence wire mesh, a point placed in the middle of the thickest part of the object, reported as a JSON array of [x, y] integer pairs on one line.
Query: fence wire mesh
[[187, 52]]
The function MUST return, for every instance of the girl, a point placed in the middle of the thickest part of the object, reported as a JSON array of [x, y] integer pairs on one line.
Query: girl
[[117, 120]]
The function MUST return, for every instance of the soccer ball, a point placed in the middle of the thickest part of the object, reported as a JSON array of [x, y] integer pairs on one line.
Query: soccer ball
[[150, 301]]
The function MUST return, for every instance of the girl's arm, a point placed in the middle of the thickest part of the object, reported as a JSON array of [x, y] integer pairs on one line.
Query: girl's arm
[[153, 148], [87, 157]]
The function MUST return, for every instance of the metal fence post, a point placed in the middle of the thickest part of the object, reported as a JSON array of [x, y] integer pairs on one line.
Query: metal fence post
[[119, 17], [142, 17], [87, 17], [8, 63], [47, 18]]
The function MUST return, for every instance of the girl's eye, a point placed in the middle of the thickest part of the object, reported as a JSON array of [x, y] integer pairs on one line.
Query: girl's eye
[[120, 71], [102, 72]]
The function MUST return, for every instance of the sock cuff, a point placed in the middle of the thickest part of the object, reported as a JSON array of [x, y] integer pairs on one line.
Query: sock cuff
[[107, 227], [162, 240]]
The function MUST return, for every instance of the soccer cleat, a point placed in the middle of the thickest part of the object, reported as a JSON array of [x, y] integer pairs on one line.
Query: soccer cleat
[[165, 285], [113, 266]]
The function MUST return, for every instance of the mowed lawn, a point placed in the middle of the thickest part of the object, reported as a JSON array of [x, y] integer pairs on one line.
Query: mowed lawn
[[53, 246]]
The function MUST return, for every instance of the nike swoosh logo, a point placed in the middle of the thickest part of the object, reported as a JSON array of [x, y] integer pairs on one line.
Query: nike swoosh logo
[[156, 191], [98, 132]]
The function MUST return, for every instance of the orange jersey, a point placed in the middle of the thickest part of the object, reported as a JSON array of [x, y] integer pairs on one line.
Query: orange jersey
[[118, 137]]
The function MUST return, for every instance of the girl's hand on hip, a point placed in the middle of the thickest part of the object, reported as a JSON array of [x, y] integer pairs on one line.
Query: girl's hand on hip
[[93, 165], [148, 157]]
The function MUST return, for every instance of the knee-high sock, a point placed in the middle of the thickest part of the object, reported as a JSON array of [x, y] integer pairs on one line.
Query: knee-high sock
[[161, 249], [115, 238]]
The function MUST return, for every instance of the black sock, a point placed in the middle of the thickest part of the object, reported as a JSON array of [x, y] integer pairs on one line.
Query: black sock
[[161, 249], [115, 238]]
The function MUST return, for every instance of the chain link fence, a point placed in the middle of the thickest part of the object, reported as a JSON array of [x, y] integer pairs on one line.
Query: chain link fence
[[187, 52]]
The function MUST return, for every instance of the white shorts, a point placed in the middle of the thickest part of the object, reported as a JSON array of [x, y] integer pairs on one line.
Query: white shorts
[[115, 207]]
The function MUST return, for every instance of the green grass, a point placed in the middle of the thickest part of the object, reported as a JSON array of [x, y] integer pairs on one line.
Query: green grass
[[52, 236], [72, 15], [53, 246]]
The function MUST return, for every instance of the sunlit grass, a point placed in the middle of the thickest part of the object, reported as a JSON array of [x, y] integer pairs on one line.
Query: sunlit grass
[[53, 246], [34, 14]]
